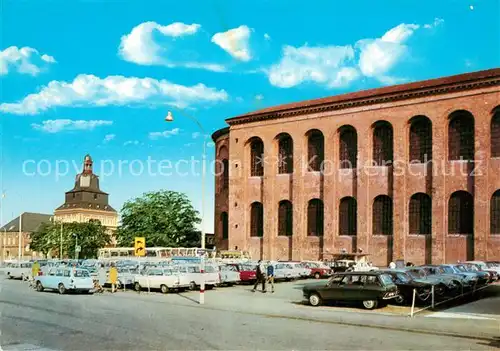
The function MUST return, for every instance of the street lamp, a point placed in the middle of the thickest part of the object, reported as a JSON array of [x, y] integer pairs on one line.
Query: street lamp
[[170, 118], [77, 249]]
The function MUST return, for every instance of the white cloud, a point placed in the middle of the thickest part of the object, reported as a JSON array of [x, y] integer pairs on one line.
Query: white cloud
[[24, 60], [437, 22], [109, 137], [164, 134], [259, 97], [59, 125], [267, 36], [89, 90], [196, 135], [235, 42], [131, 142]]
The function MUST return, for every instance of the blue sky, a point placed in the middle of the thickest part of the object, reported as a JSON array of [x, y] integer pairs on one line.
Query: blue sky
[[98, 77]]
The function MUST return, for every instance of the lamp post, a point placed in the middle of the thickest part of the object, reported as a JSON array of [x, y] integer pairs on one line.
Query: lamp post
[[77, 249], [170, 118]]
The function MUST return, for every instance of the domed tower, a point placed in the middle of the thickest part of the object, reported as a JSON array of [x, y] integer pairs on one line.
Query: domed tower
[[86, 201]]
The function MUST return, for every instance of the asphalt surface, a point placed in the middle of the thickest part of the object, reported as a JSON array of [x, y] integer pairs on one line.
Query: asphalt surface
[[131, 321]]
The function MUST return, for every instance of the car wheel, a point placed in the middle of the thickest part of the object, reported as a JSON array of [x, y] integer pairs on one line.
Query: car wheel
[[118, 285], [137, 286], [317, 275], [424, 294], [314, 300], [399, 299], [440, 290], [192, 286], [9, 276], [164, 289], [61, 289], [370, 304], [39, 286]]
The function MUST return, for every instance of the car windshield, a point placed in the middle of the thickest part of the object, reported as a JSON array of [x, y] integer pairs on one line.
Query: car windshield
[[417, 273], [386, 279], [461, 268], [472, 268], [82, 273], [448, 270], [247, 268], [403, 277]]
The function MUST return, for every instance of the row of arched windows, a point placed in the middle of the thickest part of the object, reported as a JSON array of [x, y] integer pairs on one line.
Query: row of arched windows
[[460, 144], [460, 216]]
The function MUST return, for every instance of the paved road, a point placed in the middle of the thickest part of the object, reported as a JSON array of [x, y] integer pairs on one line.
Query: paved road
[[129, 321]]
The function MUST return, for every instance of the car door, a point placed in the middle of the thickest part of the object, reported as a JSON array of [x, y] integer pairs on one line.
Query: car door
[[49, 280], [333, 290], [351, 288]]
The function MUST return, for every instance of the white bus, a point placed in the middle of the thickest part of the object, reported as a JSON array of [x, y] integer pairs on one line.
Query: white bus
[[154, 252]]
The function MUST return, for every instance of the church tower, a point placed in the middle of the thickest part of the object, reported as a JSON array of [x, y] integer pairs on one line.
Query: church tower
[[86, 201]]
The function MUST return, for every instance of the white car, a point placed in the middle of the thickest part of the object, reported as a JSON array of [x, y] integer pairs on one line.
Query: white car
[[190, 275], [285, 271], [229, 275], [18, 270], [63, 279], [301, 269], [158, 278]]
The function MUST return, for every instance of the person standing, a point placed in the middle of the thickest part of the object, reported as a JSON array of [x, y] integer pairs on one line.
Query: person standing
[[35, 269], [261, 277], [113, 277], [270, 276]]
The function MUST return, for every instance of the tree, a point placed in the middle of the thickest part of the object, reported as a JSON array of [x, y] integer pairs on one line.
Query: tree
[[165, 218], [90, 236]]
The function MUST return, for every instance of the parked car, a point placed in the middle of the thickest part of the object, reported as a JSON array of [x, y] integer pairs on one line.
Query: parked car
[[352, 266], [18, 270], [483, 278], [159, 278], [318, 269], [483, 266], [284, 271], [406, 284], [229, 275], [444, 284], [64, 279], [468, 280], [190, 276], [247, 272], [370, 288], [300, 268]]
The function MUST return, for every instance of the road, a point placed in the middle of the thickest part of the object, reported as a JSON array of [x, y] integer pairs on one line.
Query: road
[[131, 321]]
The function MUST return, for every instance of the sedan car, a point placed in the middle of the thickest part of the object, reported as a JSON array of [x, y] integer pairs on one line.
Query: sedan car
[[370, 288], [318, 269], [406, 284], [247, 272]]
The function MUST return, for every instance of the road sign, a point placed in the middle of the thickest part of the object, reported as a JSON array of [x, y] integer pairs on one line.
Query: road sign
[[78, 248], [140, 246]]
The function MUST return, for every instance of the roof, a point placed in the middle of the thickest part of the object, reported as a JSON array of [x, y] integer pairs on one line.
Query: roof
[[218, 133], [442, 85], [87, 206], [30, 222]]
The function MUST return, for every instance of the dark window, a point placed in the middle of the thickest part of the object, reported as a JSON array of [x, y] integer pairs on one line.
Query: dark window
[[461, 213], [382, 144], [315, 217], [225, 174], [285, 218], [382, 215], [420, 140], [257, 158], [257, 220], [461, 136], [348, 216], [495, 134], [420, 214], [224, 225], [495, 213], [348, 148], [315, 151], [285, 156]]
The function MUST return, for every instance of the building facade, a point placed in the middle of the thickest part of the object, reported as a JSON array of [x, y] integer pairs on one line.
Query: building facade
[[404, 172], [86, 201]]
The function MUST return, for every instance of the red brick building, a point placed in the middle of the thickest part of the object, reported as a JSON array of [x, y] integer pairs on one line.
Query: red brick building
[[404, 172]]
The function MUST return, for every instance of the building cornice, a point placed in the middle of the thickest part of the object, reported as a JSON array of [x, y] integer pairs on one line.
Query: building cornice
[[446, 85]]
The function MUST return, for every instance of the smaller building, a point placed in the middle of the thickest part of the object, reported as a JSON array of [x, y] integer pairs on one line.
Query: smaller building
[[29, 222]]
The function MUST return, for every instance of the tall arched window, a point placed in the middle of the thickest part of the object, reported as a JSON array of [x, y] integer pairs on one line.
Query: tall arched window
[[348, 147], [495, 133], [285, 154], [315, 217], [461, 136], [348, 216], [495, 213], [224, 224], [257, 157], [420, 140], [382, 143], [420, 210], [382, 215], [257, 219], [315, 150], [285, 218], [461, 213], [225, 174]]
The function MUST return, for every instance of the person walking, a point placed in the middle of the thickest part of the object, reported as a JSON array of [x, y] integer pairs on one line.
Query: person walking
[[102, 277], [261, 277], [35, 269], [113, 277], [270, 275]]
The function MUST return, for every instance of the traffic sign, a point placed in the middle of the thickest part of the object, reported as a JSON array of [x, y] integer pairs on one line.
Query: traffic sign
[[140, 246], [78, 248]]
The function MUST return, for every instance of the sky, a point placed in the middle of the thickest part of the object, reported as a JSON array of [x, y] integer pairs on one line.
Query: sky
[[99, 77]]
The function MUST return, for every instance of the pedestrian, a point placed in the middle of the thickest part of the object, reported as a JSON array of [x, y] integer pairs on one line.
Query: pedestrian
[[35, 269], [113, 277], [102, 277], [261, 277], [270, 276], [392, 265]]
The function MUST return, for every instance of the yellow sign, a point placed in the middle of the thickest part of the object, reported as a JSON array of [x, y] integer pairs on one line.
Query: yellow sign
[[140, 246]]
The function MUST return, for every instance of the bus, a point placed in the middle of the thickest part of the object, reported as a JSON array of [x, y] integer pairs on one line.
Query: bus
[[155, 252], [234, 254]]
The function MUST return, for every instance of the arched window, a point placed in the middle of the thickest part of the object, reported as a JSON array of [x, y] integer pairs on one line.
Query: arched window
[[225, 174], [315, 150], [257, 157], [495, 213], [348, 147], [420, 140], [257, 219], [285, 218], [224, 223], [315, 217], [285, 154], [461, 213], [382, 144], [382, 215], [420, 210], [348, 216], [461, 136], [495, 133]]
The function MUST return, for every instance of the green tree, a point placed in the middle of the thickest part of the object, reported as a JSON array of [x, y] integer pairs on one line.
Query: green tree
[[165, 218], [90, 236]]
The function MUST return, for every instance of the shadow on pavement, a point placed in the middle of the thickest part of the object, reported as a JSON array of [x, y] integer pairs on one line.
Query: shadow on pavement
[[188, 298]]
